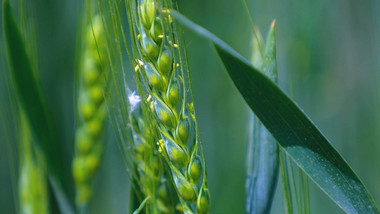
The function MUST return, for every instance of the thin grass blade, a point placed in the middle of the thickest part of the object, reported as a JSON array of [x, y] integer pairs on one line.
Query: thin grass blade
[[292, 128]]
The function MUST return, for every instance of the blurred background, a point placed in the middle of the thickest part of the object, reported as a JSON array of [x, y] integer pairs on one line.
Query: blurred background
[[329, 50]]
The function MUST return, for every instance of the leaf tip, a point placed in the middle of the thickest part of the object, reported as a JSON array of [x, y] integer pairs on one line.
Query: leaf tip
[[273, 23]]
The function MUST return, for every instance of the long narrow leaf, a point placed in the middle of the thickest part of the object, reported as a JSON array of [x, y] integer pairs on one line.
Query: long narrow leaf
[[294, 131], [263, 152], [29, 94]]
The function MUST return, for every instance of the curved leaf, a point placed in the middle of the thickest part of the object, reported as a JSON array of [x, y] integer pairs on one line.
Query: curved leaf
[[294, 131]]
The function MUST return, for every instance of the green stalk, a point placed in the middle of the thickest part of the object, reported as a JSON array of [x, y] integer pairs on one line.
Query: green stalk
[[286, 187]]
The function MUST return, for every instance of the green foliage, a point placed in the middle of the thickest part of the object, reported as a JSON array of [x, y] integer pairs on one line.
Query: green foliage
[[293, 130], [159, 139]]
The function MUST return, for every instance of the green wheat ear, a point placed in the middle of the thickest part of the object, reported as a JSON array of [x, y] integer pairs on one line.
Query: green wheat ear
[[161, 70], [137, 134], [150, 172], [33, 194], [91, 111]]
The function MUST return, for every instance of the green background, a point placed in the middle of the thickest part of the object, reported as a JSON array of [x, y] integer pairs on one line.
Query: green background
[[329, 50]]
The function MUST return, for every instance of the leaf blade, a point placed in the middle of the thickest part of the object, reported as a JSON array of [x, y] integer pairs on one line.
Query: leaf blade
[[295, 132]]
